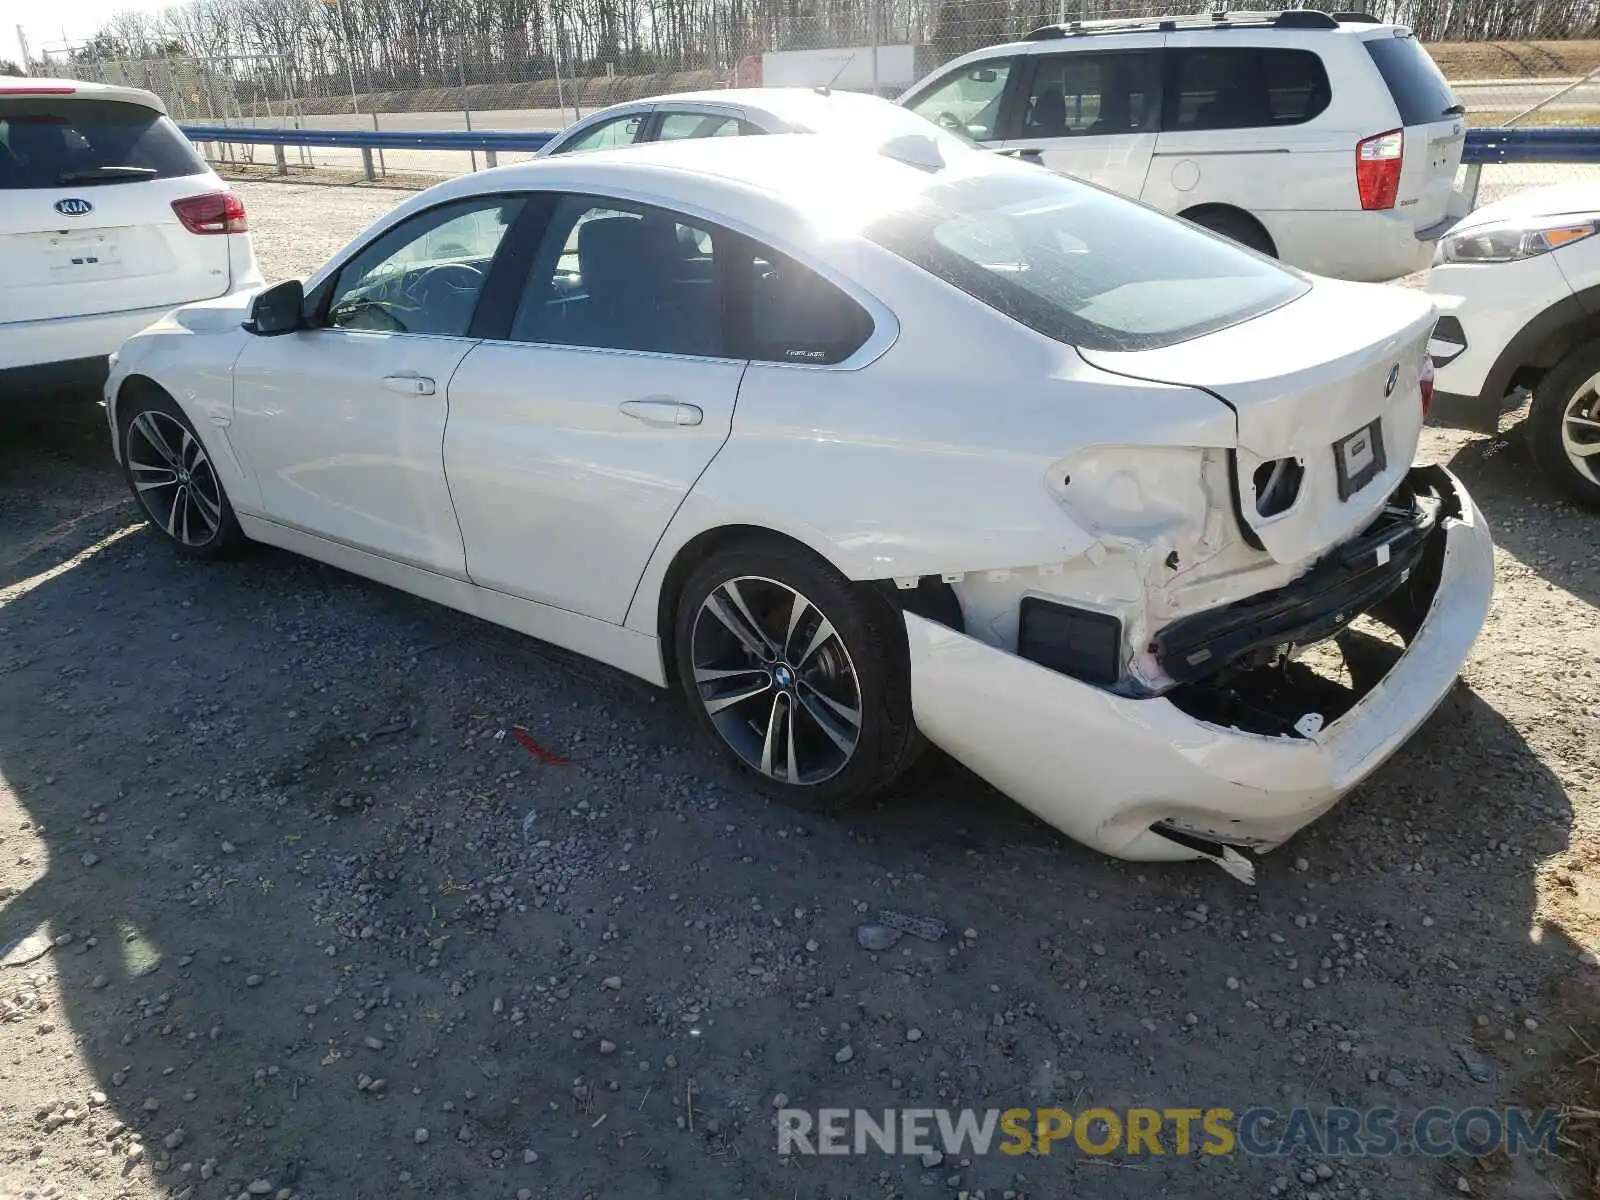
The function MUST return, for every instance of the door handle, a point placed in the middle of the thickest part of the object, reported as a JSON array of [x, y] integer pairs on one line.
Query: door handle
[[662, 412], [409, 385]]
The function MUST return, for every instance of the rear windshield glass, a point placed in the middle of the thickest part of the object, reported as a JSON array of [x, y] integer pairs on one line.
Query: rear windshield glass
[[48, 143], [1081, 265], [1418, 86]]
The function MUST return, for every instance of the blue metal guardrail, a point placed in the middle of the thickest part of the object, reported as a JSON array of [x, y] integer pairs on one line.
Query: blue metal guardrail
[[1484, 147], [490, 141]]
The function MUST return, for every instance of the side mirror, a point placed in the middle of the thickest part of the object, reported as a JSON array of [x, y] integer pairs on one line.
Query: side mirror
[[279, 309]]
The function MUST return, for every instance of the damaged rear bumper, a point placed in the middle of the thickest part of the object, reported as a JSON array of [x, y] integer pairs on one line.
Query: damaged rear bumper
[[1107, 769]]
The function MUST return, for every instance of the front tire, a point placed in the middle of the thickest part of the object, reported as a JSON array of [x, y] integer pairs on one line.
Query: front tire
[[797, 676], [1563, 427], [171, 475]]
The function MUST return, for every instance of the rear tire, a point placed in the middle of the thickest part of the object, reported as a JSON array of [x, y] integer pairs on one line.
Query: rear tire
[[170, 473], [798, 677], [1237, 226], [1563, 427]]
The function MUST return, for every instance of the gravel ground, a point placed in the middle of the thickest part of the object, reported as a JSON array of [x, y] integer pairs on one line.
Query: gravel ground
[[310, 923]]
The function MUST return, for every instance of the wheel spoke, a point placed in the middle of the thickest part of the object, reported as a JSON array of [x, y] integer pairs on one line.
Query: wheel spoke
[[186, 507], [144, 485], [717, 704], [746, 631], [156, 440], [825, 721], [825, 632], [768, 743], [1583, 449], [209, 508], [732, 592], [1583, 422], [851, 716], [791, 756], [797, 613], [172, 516]]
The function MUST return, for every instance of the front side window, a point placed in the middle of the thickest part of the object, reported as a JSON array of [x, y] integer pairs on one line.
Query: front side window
[[677, 126], [1073, 95], [1080, 265], [50, 142], [967, 101], [1244, 88], [621, 276], [608, 135], [424, 275]]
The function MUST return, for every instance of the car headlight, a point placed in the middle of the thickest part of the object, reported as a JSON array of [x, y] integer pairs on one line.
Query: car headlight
[[1512, 240]]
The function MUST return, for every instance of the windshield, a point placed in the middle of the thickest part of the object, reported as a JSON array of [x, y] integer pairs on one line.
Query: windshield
[[48, 142], [1081, 265]]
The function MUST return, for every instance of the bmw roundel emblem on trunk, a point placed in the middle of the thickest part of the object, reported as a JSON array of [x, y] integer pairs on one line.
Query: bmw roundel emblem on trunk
[[1394, 378], [74, 206]]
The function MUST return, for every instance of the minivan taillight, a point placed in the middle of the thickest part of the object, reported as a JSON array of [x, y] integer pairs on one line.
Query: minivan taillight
[[214, 212], [1425, 383], [1378, 160]]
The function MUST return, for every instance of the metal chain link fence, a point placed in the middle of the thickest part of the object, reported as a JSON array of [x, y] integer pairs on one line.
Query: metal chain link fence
[[539, 64]]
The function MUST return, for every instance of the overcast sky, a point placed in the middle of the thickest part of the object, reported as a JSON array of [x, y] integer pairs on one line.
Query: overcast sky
[[45, 20]]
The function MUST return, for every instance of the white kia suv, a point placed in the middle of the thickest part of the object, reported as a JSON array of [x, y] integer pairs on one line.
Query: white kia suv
[[108, 220], [1329, 141], [1518, 286]]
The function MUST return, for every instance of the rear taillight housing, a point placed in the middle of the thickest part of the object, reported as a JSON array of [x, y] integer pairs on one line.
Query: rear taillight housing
[[214, 212], [1425, 383], [1378, 161]]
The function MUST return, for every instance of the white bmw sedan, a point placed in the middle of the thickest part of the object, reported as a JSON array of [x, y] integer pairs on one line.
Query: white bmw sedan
[[858, 449]]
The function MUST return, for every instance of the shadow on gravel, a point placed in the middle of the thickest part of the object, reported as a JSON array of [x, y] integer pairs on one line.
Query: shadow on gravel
[[318, 900], [1530, 518]]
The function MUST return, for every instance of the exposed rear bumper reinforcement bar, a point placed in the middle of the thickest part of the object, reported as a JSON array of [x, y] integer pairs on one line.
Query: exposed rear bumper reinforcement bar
[[1316, 606]]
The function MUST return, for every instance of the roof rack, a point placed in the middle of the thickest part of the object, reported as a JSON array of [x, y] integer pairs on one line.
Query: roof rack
[[1291, 18]]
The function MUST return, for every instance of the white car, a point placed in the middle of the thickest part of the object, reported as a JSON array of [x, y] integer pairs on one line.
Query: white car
[[843, 447], [1331, 142], [741, 112], [1518, 284], [108, 219]]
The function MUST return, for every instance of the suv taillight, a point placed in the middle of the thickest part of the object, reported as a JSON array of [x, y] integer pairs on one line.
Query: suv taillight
[[215, 212], [1378, 160], [1425, 382]]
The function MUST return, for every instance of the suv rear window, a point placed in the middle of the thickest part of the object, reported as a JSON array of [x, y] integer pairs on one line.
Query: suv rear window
[[48, 143], [1241, 87], [1080, 265], [1419, 88]]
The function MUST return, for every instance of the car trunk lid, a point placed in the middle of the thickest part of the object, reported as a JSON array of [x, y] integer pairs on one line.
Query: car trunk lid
[[1326, 394]]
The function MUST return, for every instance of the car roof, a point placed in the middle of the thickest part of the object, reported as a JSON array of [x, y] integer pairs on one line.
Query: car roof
[[80, 89], [797, 190], [1087, 35], [785, 103]]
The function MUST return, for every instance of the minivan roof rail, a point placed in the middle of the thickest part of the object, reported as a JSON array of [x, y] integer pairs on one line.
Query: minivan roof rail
[[1291, 18]]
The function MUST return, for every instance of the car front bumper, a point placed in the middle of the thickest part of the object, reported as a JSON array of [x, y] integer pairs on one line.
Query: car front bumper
[[1105, 769]]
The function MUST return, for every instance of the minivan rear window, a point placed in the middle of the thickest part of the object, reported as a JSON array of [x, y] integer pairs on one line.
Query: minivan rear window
[[1081, 265], [48, 142], [1419, 88]]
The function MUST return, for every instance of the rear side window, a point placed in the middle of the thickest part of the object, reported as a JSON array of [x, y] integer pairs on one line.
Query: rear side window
[[1087, 94], [796, 316], [1419, 88], [1083, 266], [1244, 87], [47, 143]]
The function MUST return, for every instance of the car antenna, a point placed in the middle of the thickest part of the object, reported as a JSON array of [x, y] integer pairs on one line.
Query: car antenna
[[827, 88]]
